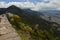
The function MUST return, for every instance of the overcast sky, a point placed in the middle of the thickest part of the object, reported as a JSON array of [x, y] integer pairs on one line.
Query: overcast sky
[[22, 0], [32, 4]]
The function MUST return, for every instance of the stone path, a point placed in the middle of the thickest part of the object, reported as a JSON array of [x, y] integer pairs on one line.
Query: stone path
[[6, 30]]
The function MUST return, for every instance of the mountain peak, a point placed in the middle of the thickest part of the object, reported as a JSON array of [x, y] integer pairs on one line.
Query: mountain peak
[[12, 6]]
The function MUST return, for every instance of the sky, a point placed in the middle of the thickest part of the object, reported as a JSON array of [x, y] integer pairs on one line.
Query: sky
[[32, 4], [21, 0]]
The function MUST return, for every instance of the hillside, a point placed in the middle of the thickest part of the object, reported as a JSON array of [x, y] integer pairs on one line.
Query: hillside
[[30, 25], [28, 30]]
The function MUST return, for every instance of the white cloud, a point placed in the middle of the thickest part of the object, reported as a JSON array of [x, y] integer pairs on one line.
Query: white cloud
[[19, 4], [2, 4], [46, 4]]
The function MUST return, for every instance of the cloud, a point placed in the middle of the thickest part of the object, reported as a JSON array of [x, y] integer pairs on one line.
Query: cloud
[[2, 4], [48, 5], [19, 4], [44, 5]]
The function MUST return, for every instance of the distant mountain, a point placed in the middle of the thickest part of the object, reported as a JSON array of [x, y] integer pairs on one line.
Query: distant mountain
[[19, 11], [23, 13], [45, 14], [53, 14]]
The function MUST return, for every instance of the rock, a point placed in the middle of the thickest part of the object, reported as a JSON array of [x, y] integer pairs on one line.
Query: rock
[[6, 30]]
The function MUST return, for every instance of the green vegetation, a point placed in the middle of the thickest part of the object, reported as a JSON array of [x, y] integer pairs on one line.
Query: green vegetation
[[32, 31]]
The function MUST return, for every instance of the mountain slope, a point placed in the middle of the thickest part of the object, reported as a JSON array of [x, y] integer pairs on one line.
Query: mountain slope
[[33, 31], [31, 26]]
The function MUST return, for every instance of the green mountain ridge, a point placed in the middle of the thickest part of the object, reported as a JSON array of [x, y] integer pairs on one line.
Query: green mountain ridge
[[30, 26], [34, 30]]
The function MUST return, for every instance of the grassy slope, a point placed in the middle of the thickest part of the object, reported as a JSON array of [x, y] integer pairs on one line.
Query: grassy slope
[[29, 31]]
